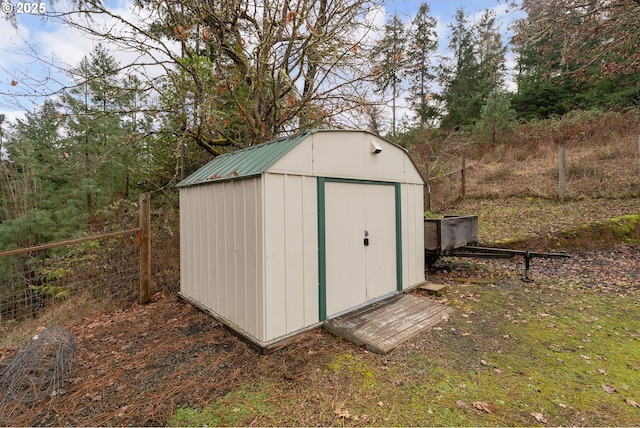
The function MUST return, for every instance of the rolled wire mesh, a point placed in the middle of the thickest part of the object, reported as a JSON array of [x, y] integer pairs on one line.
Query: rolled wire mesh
[[38, 371]]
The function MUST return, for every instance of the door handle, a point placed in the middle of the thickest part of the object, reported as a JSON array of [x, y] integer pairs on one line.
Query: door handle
[[366, 238]]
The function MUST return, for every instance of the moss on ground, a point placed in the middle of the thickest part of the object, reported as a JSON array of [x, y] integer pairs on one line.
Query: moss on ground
[[511, 355], [574, 225], [556, 352], [238, 408]]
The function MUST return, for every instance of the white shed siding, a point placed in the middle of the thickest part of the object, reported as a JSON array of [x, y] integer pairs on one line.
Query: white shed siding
[[221, 243], [412, 199], [187, 285], [332, 159], [347, 154], [291, 255]]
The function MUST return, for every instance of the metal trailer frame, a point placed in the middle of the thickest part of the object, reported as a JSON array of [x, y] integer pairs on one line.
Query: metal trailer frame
[[457, 236]]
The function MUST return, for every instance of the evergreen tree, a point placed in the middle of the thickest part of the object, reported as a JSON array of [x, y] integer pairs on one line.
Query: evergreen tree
[[100, 145], [576, 56], [497, 118], [490, 52], [35, 182], [459, 77], [390, 56], [422, 44]]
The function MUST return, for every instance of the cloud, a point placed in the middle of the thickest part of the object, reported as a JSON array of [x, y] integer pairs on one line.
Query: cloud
[[36, 58], [11, 116], [11, 38], [64, 45]]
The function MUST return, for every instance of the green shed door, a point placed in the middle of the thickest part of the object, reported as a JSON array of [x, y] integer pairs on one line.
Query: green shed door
[[360, 243]]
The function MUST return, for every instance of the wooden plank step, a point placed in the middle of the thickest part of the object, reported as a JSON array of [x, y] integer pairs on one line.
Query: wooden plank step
[[385, 325], [434, 289]]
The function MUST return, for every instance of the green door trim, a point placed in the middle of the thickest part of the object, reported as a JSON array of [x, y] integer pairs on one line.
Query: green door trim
[[322, 241]]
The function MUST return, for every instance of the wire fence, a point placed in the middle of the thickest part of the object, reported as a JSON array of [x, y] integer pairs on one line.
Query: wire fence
[[31, 282], [48, 282]]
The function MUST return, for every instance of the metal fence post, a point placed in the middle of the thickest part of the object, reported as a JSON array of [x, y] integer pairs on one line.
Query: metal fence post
[[145, 248]]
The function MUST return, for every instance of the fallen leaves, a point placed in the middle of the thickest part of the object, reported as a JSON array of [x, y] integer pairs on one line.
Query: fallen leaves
[[484, 406], [539, 417], [345, 414], [462, 404], [632, 403], [609, 389], [342, 413]]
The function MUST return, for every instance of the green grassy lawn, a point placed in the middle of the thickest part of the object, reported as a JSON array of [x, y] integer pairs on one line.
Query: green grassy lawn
[[513, 354]]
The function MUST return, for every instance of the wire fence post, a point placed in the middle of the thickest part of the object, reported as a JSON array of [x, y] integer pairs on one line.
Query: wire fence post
[[463, 178], [562, 177], [145, 248], [428, 187]]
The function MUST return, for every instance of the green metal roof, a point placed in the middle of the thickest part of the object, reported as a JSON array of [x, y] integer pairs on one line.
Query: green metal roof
[[244, 163]]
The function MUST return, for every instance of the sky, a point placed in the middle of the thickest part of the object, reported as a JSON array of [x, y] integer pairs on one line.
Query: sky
[[36, 47]]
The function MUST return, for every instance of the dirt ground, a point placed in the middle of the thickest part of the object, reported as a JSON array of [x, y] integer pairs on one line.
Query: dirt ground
[[137, 366]]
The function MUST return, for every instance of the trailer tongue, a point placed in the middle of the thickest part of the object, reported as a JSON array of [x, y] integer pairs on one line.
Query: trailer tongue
[[457, 236], [503, 253]]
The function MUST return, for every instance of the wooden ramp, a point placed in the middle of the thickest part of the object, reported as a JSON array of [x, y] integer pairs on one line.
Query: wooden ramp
[[384, 325]]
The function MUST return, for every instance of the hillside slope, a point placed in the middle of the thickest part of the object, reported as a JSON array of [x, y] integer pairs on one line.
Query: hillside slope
[[565, 349]]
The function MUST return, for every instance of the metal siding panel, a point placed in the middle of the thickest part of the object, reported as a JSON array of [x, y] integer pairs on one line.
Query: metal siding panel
[[419, 228], [252, 255], [230, 259], [261, 299], [275, 274], [205, 247], [241, 261], [413, 236], [339, 154], [211, 262], [298, 161], [411, 173], [406, 232], [221, 251], [408, 238], [196, 245], [193, 261], [185, 238], [200, 246], [310, 249], [389, 165], [294, 252], [347, 154]]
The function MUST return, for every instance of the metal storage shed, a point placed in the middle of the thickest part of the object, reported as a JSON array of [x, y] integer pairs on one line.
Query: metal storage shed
[[278, 237]]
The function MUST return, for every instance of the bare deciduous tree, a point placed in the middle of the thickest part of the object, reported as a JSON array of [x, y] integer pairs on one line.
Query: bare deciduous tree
[[235, 73]]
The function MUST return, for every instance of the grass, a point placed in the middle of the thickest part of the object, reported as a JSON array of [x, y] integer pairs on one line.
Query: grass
[[517, 219], [237, 408], [561, 351], [565, 353]]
